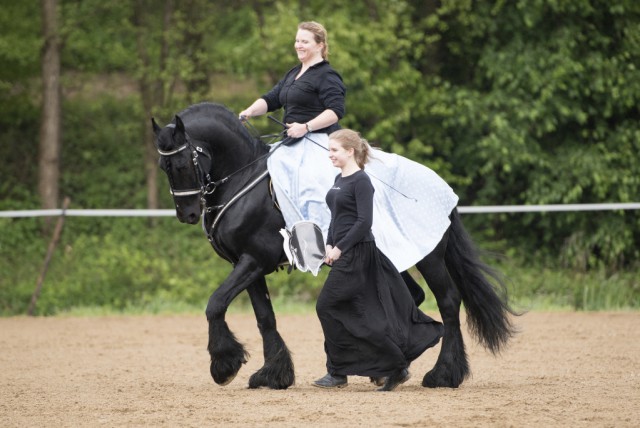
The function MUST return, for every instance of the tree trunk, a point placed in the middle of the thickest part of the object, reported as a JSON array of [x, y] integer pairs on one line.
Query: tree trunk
[[50, 130]]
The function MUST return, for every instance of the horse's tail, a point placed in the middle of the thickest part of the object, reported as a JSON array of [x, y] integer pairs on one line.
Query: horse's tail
[[481, 288]]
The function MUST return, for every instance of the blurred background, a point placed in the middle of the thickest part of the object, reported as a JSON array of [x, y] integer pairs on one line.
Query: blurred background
[[519, 102]]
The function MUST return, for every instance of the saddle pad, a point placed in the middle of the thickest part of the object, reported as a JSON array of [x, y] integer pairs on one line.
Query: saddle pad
[[411, 203]]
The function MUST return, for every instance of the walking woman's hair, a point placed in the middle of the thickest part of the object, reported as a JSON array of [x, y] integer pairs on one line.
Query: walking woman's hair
[[350, 139], [319, 34]]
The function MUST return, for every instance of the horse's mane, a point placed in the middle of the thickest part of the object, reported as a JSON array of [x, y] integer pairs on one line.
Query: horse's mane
[[222, 114]]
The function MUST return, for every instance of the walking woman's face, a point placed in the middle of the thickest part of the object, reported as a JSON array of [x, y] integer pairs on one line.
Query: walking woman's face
[[306, 46], [339, 155]]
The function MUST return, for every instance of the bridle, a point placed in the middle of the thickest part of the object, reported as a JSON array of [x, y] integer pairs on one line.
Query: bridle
[[207, 186]]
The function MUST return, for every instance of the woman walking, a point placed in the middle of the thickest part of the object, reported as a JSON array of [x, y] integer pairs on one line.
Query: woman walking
[[371, 324]]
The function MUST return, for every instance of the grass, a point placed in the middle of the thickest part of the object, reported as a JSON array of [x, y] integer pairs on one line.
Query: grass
[[132, 269], [590, 294], [529, 289]]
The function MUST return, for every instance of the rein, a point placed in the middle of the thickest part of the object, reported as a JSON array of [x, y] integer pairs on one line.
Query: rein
[[223, 208]]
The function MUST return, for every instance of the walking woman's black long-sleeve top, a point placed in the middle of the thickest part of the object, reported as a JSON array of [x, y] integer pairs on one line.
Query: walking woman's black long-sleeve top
[[350, 201]]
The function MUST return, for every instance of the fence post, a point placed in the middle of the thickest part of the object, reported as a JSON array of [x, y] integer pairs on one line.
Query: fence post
[[52, 246]]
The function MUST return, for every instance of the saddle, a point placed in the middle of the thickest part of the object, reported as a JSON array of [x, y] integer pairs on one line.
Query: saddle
[[304, 246]]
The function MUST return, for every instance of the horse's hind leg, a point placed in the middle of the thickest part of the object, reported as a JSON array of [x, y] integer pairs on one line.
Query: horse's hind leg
[[277, 371], [227, 354], [417, 293], [452, 366]]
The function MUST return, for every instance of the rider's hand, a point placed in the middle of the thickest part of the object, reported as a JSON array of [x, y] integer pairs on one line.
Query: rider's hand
[[296, 130]]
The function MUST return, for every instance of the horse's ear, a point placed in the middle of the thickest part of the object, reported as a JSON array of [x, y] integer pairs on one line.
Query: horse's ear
[[179, 125], [156, 128]]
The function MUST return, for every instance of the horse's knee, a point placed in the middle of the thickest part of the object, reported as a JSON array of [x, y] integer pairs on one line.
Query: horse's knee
[[216, 310]]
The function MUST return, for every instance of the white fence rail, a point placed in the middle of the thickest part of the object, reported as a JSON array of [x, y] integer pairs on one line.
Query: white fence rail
[[464, 210]]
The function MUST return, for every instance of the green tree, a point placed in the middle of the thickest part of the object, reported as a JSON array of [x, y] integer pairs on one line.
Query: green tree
[[20, 45], [544, 98]]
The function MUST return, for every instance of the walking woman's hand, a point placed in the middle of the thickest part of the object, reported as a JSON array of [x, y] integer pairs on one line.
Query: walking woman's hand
[[333, 254]]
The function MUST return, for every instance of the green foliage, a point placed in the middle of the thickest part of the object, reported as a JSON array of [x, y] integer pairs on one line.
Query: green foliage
[[535, 288], [519, 102], [548, 115], [19, 43], [126, 264], [131, 266], [97, 36], [103, 155], [18, 151]]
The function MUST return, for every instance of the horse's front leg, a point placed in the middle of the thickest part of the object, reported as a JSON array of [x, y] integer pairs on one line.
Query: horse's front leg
[[227, 354], [277, 371]]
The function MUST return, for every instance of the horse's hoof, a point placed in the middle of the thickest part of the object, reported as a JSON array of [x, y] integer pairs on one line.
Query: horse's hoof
[[226, 382], [377, 381], [257, 380], [395, 379], [430, 380], [223, 374]]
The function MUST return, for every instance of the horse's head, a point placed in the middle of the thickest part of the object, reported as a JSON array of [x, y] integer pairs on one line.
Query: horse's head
[[186, 165]]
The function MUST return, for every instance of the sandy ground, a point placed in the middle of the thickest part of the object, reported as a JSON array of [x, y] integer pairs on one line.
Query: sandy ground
[[564, 369]]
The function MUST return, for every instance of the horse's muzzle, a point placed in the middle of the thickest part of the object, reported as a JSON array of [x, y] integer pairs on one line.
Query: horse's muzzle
[[189, 217]]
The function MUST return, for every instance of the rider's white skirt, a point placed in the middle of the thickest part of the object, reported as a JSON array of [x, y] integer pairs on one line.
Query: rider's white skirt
[[411, 207]]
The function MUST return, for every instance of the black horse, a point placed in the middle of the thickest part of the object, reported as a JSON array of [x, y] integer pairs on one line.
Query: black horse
[[217, 170]]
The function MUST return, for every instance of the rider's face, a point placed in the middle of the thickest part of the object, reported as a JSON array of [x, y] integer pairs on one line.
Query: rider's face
[[306, 46]]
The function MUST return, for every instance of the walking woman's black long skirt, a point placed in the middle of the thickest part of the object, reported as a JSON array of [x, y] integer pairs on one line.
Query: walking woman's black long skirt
[[371, 324]]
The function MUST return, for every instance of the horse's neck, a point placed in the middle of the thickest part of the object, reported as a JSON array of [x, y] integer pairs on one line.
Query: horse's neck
[[232, 156]]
